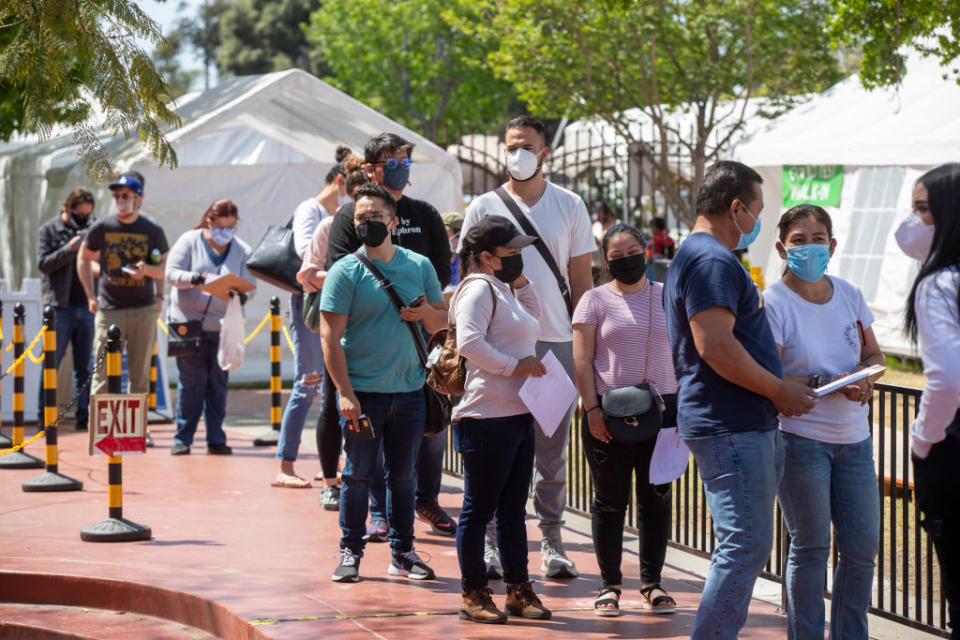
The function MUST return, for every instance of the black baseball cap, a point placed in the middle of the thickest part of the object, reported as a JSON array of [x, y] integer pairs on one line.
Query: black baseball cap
[[492, 232]]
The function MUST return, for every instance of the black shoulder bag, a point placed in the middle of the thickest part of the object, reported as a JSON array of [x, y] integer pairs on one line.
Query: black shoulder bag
[[439, 407], [275, 259], [541, 246], [184, 338]]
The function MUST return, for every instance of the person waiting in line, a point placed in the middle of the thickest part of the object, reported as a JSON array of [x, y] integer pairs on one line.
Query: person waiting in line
[[58, 244], [453, 222], [932, 236], [308, 357], [821, 325], [209, 249], [661, 244], [619, 340], [496, 312]]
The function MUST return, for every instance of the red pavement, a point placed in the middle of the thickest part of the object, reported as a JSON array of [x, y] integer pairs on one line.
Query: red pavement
[[248, 551]]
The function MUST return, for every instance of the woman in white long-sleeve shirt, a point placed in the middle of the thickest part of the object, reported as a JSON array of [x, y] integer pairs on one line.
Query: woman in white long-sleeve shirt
[[496, 312], [932, 235]]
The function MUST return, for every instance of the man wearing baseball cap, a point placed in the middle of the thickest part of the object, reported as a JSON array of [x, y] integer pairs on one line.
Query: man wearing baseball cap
[[131, 250]]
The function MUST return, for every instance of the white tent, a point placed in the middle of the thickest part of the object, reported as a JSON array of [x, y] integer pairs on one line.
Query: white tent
[[884, 140], [266, 142]]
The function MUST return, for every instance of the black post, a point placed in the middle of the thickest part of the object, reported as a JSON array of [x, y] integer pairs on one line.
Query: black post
[[270, 438]]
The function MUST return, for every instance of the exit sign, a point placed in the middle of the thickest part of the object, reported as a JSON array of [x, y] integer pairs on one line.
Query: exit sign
[[118, 423]]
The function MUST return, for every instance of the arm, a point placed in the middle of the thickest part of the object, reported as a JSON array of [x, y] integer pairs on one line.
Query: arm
[[473, 314], [526, 296], [433, 315], [332, 326], [870, 354], [584, 349], [178, 265], [85, 260], [712, 331], [52, 258], [581, 279]]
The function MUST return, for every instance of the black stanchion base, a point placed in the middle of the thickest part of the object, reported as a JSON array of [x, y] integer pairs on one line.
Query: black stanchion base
[[20, 460], [52, 482], [5, 441], [115, 530], [268, 439], [150, 441]]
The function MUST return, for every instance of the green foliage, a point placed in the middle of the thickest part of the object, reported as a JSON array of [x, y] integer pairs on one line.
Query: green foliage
[[260, 36], [708, 58], [57, 54], [886, 29], [202, 33], [165, 59], [405, 59]]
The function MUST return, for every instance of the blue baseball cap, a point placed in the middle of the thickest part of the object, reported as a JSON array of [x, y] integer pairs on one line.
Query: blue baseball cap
[[129, 182]]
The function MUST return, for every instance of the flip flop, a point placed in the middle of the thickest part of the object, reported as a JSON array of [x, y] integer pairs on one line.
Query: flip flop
[[291, 482]]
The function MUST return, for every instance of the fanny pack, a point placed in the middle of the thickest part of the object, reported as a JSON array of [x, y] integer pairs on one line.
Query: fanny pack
[[185, 338]]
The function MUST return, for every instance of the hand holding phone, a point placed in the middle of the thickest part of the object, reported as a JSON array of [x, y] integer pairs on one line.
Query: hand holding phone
[[366, 429], [419, 300]]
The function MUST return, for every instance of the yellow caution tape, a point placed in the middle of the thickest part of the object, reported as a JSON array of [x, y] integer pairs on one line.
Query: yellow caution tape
[[260, 326], [24, 443], [163, 327], [27, 352], [286, 334], [34, 358]]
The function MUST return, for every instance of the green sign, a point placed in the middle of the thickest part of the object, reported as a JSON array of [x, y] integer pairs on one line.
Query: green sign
[[812, 184]]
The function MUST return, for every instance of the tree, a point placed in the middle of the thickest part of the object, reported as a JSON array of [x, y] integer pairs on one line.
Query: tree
[[404, 59], [57, 55], [165, 58], [885, 29], [202, 33], [260, 36], [706, 61]]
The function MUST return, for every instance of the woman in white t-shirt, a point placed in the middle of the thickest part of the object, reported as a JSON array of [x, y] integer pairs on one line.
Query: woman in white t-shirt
[[821, 325]]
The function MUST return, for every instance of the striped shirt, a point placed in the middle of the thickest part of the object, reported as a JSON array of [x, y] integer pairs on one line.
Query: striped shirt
[[622, 323]]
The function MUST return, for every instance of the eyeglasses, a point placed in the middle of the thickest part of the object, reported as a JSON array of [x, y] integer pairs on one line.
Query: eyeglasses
[[393, 163], [124, 196]]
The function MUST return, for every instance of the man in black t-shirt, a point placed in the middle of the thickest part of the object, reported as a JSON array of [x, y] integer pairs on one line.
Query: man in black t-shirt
[[420, 228], [131, 250]]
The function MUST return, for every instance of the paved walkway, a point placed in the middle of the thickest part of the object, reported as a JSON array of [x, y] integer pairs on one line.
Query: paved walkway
[[221, 533]]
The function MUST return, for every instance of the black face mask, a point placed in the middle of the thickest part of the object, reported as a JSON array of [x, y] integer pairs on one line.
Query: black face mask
[[511, 267], [79, 221], [628, 269], [372, 232]]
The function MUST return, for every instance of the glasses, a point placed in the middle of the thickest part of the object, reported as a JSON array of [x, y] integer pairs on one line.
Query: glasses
[[123, 196], [393, 163]]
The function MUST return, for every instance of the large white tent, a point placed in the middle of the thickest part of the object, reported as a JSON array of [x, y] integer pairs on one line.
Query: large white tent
[[266, 142], [884, 140]]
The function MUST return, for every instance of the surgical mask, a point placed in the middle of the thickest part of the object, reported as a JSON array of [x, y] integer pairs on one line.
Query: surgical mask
[[914, 237], [746, 239], [628, 269], [123, 207], [511, 268], [372, 232], [396, 178], [222, 236], [808, 261], [80, 221], [522, 165]]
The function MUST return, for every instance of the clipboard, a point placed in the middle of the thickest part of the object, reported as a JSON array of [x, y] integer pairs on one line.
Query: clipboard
[[219, 287], [849, 379]]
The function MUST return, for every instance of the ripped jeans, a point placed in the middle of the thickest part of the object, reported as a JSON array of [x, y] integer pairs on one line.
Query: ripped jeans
[[612, 467]]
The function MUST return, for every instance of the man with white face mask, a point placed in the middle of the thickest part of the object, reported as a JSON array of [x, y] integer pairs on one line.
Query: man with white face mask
[[559, 217], [131, 250]]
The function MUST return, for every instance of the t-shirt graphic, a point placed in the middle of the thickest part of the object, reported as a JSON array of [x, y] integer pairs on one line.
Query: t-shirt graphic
[[124, 245], [124, 250]]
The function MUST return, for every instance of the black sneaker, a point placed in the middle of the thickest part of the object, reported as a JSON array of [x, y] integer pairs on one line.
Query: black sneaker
[[220, 449], [81, 424], [409, 564], [179, 449], [330, 498], [349, 568]]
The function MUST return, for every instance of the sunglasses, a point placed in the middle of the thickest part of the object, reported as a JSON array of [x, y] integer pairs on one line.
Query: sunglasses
[[393, 163]]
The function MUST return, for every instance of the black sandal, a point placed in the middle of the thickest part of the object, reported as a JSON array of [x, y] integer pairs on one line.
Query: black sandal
[[601, 606], [660, 604]]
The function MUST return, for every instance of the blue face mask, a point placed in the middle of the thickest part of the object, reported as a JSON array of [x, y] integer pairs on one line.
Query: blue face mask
[[746, 239], [396, 177], [808, 261], [222, 236]]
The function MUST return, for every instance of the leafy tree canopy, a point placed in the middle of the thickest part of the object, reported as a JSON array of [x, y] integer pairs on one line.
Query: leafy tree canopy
[[261, 36]]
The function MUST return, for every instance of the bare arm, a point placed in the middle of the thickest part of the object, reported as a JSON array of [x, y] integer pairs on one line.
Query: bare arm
[[332, 326], [85, 262], [581, 279]]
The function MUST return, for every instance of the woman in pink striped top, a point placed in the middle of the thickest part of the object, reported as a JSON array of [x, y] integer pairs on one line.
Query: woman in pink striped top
[[614, 327]]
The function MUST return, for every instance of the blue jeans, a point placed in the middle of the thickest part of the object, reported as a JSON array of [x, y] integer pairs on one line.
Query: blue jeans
[[309, 359], [397, 420], [497, 468], [429, 476], [201, 389], [825, 482], [75, 328], [740, 474]]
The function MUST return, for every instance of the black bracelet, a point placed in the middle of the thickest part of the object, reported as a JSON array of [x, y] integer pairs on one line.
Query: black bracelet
[[592, 408]]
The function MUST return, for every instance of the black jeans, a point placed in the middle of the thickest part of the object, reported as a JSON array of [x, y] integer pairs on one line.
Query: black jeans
[[612, 467], [329, 435], [937, 486]]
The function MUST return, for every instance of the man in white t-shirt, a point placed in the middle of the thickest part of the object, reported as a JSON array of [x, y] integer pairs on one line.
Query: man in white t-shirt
[[561, 220]]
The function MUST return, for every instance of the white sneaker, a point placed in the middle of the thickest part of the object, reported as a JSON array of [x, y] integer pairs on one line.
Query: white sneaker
[[491, 556], [554, 562]]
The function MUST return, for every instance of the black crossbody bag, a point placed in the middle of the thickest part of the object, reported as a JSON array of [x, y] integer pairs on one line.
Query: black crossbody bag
[[439, 407], [185, 338]]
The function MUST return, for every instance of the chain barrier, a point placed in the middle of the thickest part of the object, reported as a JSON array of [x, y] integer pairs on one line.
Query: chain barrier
[[68, 407], [27, 352]]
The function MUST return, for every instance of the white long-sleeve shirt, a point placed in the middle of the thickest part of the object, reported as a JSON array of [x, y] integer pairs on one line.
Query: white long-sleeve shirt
[[306, 217], [938, 329]]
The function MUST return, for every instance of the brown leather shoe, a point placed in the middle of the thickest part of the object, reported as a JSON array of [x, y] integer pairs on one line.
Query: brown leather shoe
[[523, 602], [477, 606]]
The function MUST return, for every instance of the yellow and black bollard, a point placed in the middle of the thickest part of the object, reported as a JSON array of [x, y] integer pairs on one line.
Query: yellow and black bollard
[[116, 528], [270, 438], [52, 479], [18, 459], [5, 440], [152, 398]]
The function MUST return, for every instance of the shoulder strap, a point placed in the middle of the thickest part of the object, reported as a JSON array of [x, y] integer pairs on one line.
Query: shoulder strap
[[541, 246], [493, 294]]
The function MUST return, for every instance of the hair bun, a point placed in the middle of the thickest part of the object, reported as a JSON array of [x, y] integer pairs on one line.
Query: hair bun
[[343, 152]]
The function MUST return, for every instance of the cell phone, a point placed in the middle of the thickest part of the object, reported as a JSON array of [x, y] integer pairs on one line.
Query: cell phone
[[419, 300], [129, 270], [366, 429]]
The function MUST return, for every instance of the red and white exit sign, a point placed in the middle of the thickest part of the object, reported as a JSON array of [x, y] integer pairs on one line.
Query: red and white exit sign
[[118, 423]]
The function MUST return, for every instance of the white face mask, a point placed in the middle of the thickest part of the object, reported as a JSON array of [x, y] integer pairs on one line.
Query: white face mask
[[522, 165], [914, 237], [124, 208]]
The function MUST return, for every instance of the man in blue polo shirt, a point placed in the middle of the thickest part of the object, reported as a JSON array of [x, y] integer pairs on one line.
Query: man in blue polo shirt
[[372, 360], [731, 388]]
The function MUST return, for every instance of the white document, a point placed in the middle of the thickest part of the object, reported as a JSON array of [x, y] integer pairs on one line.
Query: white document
[[850, 379], [670, 456], [549, 396]]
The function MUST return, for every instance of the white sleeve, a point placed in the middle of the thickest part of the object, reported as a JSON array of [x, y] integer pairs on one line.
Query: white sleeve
[[305, 221], [939, 335], [581, 231], [772, 310], [474, 313]]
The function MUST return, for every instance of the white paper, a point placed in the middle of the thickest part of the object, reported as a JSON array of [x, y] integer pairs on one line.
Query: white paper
[[849, 379], [549, 397], [669, 459]]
